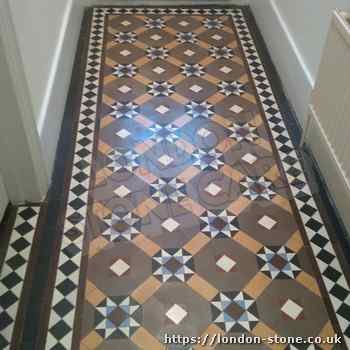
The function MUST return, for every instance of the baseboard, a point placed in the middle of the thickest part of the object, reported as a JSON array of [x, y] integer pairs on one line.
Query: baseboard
[[296, 79], [327, 161], [50, 118]]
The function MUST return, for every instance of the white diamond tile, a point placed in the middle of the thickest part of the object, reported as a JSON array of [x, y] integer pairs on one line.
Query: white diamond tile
[[216, 37], [170, 224], [189, 53], [162, 109], [126, 23], [292, 309], [122, 191], [267, 222], [236, 109], [156, 37], [225, 69], [125, 53], [124, 89], [203, 132], [225, 263], [120, 267], [165, 160], [196, 88], [176, 313], [213, 189], [249, 158], [183, 24], [123, 133], [158, 70]]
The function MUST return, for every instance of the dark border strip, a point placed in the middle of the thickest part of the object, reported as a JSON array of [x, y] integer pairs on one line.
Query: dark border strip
[[41, 292]]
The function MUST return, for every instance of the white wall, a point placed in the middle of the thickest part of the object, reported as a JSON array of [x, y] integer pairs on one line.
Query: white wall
[[295, 32], [47, 34]]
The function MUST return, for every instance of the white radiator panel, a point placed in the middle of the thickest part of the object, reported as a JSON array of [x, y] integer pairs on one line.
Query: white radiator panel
[[328, 132]]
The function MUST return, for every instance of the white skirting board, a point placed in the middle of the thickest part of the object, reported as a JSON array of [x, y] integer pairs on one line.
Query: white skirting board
[[53, 106], [289, 63], [327, 161]]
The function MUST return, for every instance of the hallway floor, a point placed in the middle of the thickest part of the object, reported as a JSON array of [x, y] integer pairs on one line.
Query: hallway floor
[[185, 209]]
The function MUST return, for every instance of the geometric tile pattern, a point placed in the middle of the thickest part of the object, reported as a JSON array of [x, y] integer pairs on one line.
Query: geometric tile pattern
[[14, 270], [190, 127]]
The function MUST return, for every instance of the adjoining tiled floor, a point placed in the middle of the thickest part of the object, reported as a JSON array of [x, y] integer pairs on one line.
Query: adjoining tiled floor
[[187, 209]]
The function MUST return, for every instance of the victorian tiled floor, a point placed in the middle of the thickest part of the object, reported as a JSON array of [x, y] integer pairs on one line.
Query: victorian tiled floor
[[186, 208]]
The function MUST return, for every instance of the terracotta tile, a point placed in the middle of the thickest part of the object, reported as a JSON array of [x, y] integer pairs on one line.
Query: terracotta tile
[[97, 245], [248, 242], [188, 174], [282, 202], [145, 207], [232, 173], [95, 297], [196, 243], [102, 176], [146, 341], [327, 331], [202, 287], [264, 331], [145, 175], [100, 210], [92, 340], [143, 292], [212, 330], [148, 246], [105, 121], [144, 147], [273, 174], [257, 285], [192, 206], [181, 121], [238, 205], [225, 145], [144, 121], [186, 146], [309, 282], [295, 243]]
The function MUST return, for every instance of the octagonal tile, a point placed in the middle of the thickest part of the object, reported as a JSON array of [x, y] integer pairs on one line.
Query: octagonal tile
[[291, 309], [119, 268], [226, 264], [278, 234], [180, 310], [151, 109], [170, 234], [229, 190]]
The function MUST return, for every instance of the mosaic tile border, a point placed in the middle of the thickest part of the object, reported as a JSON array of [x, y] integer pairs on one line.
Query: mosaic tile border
[[66, 286], [14, 270]]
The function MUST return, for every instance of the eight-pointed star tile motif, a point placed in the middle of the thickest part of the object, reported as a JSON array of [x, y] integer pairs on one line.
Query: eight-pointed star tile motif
[[216, 224]]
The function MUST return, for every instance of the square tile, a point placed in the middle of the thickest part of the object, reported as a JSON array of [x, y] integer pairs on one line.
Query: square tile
[[156, 37], [217, 37], [203, 132], [122, 191], [213, 189], [170, 224], [162, 109], [124, 89], [236, 109], [176, 314], [183, 23], [125, 53], [165, 160], [158, 70], [225, 69], [126, 23], [225, 263], [267, 222], [249, 158], [292, 309], [120, 267], [123, 133], [189, 53], [196, 88]]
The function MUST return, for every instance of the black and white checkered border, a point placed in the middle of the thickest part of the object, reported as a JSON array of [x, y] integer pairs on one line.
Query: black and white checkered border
[[66, 286], [327, 260], [14, 270]]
